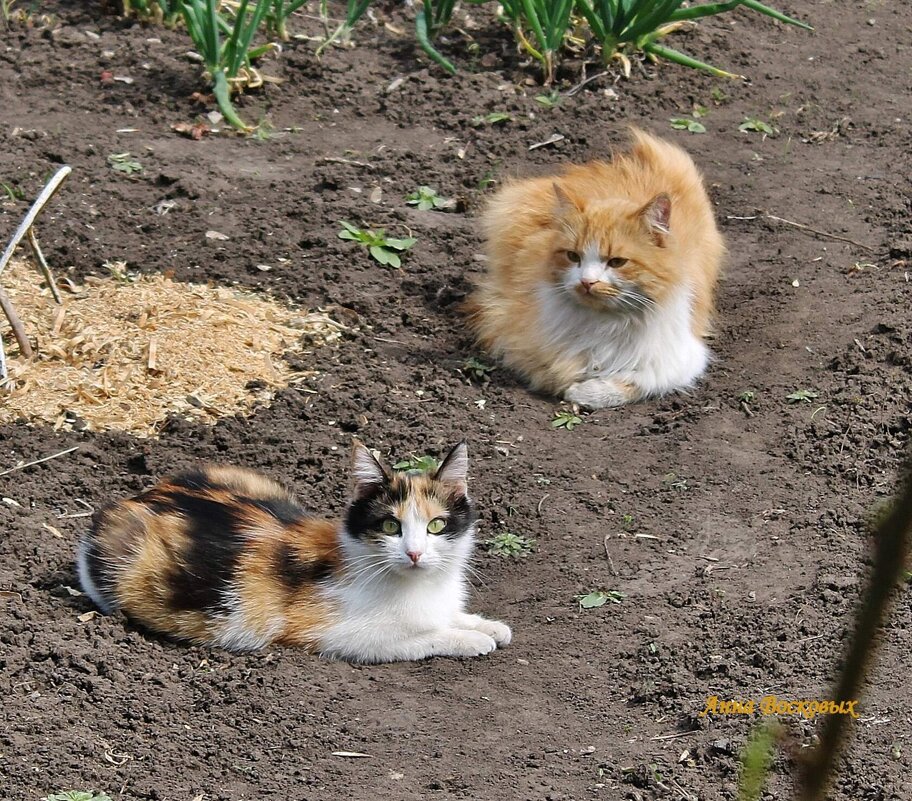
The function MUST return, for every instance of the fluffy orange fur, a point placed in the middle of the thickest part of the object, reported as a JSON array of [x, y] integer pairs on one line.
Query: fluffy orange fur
[[646, 220]]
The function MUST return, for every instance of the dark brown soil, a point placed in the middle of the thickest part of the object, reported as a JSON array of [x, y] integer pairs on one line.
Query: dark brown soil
[[756, 546]]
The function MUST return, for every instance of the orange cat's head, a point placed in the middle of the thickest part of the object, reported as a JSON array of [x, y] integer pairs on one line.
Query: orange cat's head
[[612, 255]]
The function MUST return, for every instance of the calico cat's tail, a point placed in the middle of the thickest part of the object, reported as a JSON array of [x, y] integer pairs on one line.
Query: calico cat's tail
[[100, 554]]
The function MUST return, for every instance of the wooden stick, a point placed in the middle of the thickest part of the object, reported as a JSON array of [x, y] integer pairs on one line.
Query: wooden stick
[[820, 233], [16, 324], [42, 263], [39, 461], [46, 194]]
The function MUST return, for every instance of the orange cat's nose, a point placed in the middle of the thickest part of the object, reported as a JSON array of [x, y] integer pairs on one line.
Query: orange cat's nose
[[586, 286]]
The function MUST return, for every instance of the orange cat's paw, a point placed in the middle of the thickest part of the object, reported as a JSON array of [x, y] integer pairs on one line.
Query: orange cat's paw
[[600, 393]]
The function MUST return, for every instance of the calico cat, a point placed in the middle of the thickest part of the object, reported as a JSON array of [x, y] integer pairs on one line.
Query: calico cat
[[224, 556], [600, 280]]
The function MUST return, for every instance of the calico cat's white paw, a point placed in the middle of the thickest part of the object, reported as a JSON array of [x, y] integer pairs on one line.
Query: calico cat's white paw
[[468, 643], [599, 393]]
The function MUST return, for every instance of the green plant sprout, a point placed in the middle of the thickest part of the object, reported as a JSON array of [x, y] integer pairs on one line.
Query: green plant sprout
[[423, 464], [756, 125], [597, 598], [801, 395], [228, 62], [477, 370], [427, 199], [125, 163], [381, 247], [564, 419], [509, 545], [686, 124]]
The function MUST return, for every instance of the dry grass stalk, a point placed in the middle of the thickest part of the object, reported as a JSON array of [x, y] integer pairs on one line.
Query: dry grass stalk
[[126, 354]]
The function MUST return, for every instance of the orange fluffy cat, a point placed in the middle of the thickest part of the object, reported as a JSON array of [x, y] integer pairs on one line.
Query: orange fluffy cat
[[600, 280]]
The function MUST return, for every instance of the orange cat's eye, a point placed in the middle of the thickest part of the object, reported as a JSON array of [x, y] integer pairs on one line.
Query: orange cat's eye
[[573, 256], [616, 262]]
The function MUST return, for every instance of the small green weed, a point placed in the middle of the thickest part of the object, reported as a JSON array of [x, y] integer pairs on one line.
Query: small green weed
[[381, 247], [509, 545], [77, 795], [125, 163], [551, 100], [801, 395], [425, 464], [566, 420], [427, 199], [756, 125], [687, 124], [12, 191], [748, 396], [477, 370], [494, 118], [597, 598]]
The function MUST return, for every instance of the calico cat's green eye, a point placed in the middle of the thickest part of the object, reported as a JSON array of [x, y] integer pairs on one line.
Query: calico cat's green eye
[[573, 256], [437, 525], [390, 526]]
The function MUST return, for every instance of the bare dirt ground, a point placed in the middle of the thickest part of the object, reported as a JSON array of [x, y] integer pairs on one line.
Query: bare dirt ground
[[738, 535]]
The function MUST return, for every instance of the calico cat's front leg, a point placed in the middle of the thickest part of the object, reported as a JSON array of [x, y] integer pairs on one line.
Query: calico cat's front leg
[[441, 642], [493, 628], [601, 393]]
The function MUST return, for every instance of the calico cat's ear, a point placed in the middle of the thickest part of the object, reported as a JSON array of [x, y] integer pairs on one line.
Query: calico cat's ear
[[367, 471], [656, 215], [454, 469]]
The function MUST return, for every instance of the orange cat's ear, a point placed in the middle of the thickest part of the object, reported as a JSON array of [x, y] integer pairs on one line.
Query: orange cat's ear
[[367, 471], [656, 216], [565, 203], [455, 467]]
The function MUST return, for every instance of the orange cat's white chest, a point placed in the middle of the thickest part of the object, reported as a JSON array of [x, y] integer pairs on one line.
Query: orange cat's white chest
[[656, 345]]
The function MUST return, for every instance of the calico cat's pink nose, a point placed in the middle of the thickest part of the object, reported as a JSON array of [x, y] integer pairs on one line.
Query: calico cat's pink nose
[[414, 556]]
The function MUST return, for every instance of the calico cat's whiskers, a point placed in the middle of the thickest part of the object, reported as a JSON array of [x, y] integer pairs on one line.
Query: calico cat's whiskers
[[224, 556]]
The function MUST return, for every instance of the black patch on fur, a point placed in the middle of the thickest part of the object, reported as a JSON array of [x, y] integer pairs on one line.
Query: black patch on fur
[[366, 514], [284, 510], [192, 480], [462, 516], [205, 571], [294, 572]]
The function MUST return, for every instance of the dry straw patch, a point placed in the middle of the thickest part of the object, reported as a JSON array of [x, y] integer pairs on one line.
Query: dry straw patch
[[126, 352]]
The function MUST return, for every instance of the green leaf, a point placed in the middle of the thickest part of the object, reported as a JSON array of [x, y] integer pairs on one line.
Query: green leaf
[[598, 598], [593, 600], [566, 420], [800, 395], [685, 124], [77, 795], [400, 244], [756, 125], [349, 235], [379, 254], [425, 464]]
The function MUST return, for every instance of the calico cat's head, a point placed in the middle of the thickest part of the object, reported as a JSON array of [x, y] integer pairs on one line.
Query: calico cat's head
[[612, 255], [410, 521]]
